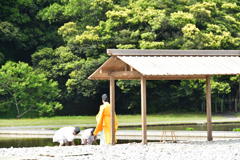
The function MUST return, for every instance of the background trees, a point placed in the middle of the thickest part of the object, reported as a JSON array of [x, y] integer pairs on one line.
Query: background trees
[[25, 91], [22, 32], [67, 40]]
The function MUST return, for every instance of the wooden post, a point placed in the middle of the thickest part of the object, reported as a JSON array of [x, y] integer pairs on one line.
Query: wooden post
[[143, 110], [112, 102], [209, 109]]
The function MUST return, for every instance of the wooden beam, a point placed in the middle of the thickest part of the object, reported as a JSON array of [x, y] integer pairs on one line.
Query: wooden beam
[[126, 67], [105, 76], [125, 74], [144, 110], [175, 77], [137, 76], [112, 115], [162, 52], [209, 108]]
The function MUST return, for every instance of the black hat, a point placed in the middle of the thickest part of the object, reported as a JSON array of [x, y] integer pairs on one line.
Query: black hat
[[77, 130], [104, 97]]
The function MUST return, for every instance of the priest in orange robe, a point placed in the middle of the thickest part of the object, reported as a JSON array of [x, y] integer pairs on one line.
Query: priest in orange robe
[[103, 119]]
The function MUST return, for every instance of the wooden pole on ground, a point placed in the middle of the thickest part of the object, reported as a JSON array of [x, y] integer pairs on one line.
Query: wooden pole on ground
[[209, 108], [112, 102], [143, 110]]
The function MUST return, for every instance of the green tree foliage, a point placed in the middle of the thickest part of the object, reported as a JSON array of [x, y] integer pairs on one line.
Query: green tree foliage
[[183, 25], [26, 90], [57, 64], [71, 73], [78, 82], [148, 25], [21, 32], [166, 25], [67, 41]]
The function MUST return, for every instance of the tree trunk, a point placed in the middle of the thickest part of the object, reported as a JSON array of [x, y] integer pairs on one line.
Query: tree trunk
[[216, 109], [203, 107], [22, 114], [222, 105], [16, 104], [235, 105], [229, 103]]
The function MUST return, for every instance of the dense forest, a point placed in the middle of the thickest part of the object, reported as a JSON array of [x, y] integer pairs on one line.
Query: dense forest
[[48, 48]]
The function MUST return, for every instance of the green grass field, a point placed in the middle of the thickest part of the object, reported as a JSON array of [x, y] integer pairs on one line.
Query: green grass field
[[77, 120]]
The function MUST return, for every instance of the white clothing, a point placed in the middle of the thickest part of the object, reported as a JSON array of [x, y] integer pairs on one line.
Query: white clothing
[[87, 136], [64, 135], [102, 138]]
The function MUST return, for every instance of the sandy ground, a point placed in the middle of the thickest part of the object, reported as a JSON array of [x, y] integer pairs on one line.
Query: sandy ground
[[194, 150]]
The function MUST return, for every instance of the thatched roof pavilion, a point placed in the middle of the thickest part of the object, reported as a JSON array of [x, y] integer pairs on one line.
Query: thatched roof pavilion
[[134, 64]]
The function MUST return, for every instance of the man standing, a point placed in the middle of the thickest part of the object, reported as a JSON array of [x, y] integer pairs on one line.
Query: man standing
[[65, 136], [104, 121]]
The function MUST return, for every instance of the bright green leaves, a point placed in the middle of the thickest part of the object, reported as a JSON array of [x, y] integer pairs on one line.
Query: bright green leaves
[[82, 44], [134, 26], [190, 31], [203, 11], [231, 7], [27, 90], [151, 45], [220, 87], [214, 37], [53, 13], [149, 36], [87, 43], [192, 37], [56, 63], [180, 19], [68, 31], [157, 29], [78, 82], [87, 37], [151, 16], [118, 14]]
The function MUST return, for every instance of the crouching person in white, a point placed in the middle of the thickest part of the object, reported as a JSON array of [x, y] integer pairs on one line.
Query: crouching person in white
[[65, 136], [87, 136]]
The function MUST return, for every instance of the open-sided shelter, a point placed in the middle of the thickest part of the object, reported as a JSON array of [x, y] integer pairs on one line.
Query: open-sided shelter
[[143, 65]]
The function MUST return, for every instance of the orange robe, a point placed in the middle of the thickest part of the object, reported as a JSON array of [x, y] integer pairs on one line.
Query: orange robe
[[104, 122]]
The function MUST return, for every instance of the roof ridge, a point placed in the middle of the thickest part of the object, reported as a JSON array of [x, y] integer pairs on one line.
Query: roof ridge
[[171, 52]]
